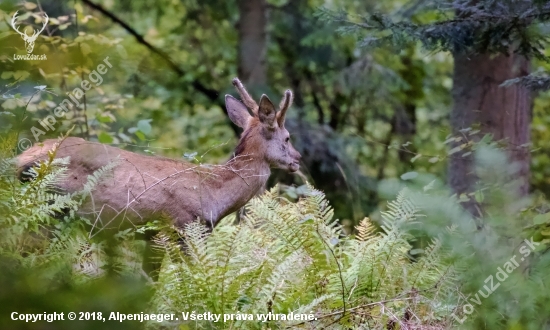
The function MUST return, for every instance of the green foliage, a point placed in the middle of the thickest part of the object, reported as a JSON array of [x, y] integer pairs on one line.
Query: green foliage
[[514, 300], [535, 82], [285, 257], [38, 222], [292, 257], [458, 27]]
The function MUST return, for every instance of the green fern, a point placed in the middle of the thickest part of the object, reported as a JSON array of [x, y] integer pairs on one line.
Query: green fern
[[293, 257], [282, 257], [33, 234], [365, 230]]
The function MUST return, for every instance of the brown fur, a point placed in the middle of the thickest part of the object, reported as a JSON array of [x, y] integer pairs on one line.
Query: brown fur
[[141, 187]]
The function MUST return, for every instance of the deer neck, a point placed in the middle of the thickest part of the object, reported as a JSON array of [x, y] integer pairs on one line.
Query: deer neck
[[240, 179]]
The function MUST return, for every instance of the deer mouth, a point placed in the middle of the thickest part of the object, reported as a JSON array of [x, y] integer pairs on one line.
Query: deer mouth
[[293, 167]]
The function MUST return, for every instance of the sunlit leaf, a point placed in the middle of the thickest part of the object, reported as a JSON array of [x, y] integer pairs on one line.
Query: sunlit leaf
[[140, 135], [29, 5], [104, 137], [456, 149], [84, 47], [415, 158]]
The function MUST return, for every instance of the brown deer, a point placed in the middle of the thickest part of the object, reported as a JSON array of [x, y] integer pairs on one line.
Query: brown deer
[[141, 187]]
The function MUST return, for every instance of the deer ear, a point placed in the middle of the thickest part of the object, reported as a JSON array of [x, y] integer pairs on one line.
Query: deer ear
[[266, 112], [237, 111]]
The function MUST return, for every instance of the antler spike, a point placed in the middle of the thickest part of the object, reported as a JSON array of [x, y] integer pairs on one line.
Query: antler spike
[[246, 98], [286, 102]]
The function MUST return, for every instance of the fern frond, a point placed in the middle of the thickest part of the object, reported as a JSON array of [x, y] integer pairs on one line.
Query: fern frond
[[285, 257], [365, 230]]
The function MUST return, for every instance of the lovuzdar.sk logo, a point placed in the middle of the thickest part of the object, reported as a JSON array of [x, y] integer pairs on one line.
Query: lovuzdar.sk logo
[[29, 39]]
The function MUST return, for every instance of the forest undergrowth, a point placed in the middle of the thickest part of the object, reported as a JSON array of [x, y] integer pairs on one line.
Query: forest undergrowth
[[418, 268]]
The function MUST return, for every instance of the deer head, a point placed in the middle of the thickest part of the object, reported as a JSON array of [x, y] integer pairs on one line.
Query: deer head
[[29, 40], [264, 133]]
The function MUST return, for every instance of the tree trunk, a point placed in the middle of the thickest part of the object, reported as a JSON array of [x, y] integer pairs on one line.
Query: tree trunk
[[404, 120], [504, 112], [252, 42]]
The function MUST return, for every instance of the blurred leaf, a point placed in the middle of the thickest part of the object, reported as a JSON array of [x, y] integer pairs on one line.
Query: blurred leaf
[[302, 190], [21, 75], [140, 135], [409, 175], [104, 137], [65, 26], [541, 219], [479, 196], [190, 155], [124, 137], [84, 47], [4, 35], [487, 138], [144, 126], [456, 149], [291, 192], [29, 5], [105, 117], [415, 158]]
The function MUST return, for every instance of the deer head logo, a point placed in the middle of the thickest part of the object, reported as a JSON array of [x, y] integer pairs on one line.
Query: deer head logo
[[29, 40]]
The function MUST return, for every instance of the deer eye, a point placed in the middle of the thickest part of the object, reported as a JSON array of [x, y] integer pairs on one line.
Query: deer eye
[[287, 139]]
